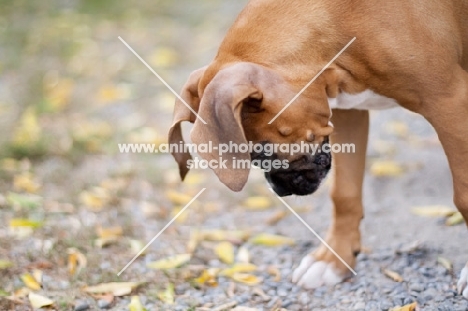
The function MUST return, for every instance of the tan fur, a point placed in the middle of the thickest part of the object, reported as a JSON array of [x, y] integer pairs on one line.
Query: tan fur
[[415, 52]]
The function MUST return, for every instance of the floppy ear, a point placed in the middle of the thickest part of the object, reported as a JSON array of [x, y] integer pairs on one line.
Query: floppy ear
[[221, 108], [182, 113]]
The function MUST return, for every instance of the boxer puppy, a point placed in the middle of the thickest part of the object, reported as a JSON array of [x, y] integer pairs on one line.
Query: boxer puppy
[[408, 53]]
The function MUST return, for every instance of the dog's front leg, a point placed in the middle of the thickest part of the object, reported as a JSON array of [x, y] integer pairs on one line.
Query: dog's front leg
[[322, 266]]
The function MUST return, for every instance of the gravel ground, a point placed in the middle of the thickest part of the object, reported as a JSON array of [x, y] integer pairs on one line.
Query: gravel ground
[[395, 239]]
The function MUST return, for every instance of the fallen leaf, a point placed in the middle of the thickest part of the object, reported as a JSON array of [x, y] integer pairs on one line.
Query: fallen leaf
[[38, 301], [194, 240], [57, 95], [243, 255], [167, 296], [221, 235], [115, 288], [386, 169], [95, 199], [444, 262], [247, 279], [182, 218], [276, 217], [178, 198], [5, 264], [76, 261], [455, 219], [170, 262], [393, 275], [225, 252], [25, 182], [37, 275], [111, 93], [136, 246], [135, 304], [257, 203], [30, 281], [410, 307], [28, 132], [238, 268], [108, 236], [20, 222], [274, 271], [208, 277], [433, 211], [272, 240]]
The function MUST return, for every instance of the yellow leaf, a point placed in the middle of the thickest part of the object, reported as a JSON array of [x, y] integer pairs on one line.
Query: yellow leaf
[[225, 252], [444, 262], [410, 307], [136, 246], [247, 279], [163, 57], [238, 268], [208, 277], [30, 281], [194, 240], [38, 301], [58, 95], [76, 261], [112, 93], [19, 222], [135, 304], [258, 203], [393, 275], [274, 271], [25, 182], [194, 179], [272, 240], [95, 199], [170, 262], [178, 198], [182, 217], [221, 235], [433, 211], [112, 232], [455, 219], [386, 169], [115, 288], [37, 275], [5, 264], [167, 296], [28, 132], [397, 128], [277, 217]]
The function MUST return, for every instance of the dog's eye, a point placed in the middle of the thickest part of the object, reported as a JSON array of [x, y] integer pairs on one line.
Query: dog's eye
[[252, 105]]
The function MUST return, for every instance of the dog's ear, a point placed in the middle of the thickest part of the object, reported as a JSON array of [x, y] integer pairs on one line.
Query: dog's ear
[[221, 107], [182, 113]]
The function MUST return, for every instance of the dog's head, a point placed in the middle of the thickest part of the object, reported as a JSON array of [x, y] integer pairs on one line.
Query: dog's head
[[237, 102]]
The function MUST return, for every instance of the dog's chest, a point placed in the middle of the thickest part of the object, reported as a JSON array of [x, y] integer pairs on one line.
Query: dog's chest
[[367, 100]]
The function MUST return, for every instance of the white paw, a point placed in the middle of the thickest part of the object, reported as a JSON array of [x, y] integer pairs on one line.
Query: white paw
[[463, 282], [312, 274]]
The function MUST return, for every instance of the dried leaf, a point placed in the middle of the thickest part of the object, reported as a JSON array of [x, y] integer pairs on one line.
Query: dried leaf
[[20, 222], [208, 277], [238, 268], [386, 169], [115, 288], [221, 235], [25, 182], [167, 296], [410, 307], [194, 240], [225, 252], [178, 198], [135, 304], [170, 262], [76, 261], [433, 211], [258, 203], [30, 281], [95, 199], [274, 271], [38, 301], [5, 264], [444, 262], [455, 219], [272, 240], [393, 275], [113, 232], [246, 278], [276, 217]]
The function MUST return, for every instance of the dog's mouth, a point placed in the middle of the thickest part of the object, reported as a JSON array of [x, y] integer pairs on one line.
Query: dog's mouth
[[304, 175]]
